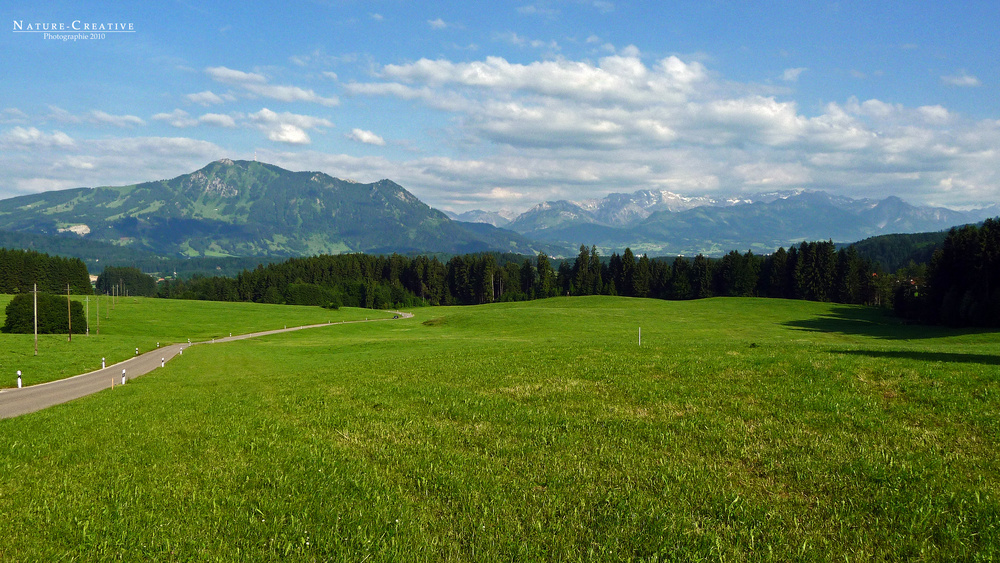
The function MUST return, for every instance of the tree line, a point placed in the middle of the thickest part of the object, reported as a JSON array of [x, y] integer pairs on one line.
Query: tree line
[[20, 270], [962, 284], [813, 270]]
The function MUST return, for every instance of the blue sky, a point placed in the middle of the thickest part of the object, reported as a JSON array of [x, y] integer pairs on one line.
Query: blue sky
[[503, 105]]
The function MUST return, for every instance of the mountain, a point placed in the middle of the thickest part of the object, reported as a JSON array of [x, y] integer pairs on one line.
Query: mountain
[[646, 222], [249, 208], [621, 210], [495, 218]]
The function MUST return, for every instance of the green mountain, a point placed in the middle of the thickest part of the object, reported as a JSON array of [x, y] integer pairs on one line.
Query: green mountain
[[249, 208]]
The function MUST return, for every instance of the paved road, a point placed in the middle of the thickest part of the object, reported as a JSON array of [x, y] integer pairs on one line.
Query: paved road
[[15, 402]]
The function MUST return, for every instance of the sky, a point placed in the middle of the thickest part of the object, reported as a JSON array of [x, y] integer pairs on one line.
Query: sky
[[475, 105]]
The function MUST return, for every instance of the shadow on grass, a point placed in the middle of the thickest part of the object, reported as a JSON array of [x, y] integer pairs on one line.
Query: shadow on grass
[[984, 359], [875, 323]]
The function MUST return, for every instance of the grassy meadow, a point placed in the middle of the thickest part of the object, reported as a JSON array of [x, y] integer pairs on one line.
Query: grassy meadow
[[740, 430], [140, 322]]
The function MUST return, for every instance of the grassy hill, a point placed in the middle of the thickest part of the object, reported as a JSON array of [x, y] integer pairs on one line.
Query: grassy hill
[[741, 429]]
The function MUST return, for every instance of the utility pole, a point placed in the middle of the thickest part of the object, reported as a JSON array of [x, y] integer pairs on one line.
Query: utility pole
[[35, 293], [69, 315]]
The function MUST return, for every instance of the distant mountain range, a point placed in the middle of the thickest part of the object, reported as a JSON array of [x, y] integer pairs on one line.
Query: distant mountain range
[[249, 208], [665, 223]]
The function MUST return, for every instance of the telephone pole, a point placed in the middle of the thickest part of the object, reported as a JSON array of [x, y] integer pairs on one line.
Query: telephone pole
[[69, 315], [35, 294]]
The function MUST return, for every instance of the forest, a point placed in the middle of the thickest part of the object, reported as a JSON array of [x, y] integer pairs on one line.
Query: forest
[[959, 287], [813, 270], [962, 286], [21, 269]]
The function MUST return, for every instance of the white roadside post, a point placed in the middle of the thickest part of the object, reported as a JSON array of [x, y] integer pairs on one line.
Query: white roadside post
[[123, 376], [102, 363], [162, 362], [18, 379], [136, 351]]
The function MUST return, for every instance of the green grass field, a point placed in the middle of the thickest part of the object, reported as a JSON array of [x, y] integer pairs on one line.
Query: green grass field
[[137, 322], [741, 429]]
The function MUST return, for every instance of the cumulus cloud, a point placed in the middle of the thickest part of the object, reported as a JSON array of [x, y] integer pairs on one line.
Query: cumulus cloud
[[101, 162], [177, 118], [437, 23], [366, 137], [287, 127], [180, 118], [962, 79], [792, 74], [31, 137], [96, 117], [206, 98], [256, 84], [217, 120], [578, 127], [570, 129], [13, 115], [536, 10], [515, 39]]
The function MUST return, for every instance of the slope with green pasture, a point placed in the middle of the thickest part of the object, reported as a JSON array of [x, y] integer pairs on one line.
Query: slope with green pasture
[[138, 322], [741, 429]]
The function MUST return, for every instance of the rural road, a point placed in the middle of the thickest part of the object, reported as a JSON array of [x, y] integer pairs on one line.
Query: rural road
[[15, 402]]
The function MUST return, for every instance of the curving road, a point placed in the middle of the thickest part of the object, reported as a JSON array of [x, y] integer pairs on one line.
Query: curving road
[[15, 402]]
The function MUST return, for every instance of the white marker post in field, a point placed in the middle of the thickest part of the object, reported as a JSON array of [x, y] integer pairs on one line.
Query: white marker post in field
[[123, 376], [102, 363], [18, 379]]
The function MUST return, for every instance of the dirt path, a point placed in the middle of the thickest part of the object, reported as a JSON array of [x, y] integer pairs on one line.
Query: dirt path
[[15, 402]]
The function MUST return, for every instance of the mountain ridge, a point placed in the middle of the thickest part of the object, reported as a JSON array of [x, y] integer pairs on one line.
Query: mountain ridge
[[248, 208]]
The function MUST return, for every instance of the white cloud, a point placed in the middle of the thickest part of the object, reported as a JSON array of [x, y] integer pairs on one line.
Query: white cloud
[[934, 114], [576, 127], [963, 79], [792, 74], [217, 119], [101, 162], [437, 23], [623, 79], [536, 10], [180, 118], [101, 117], [515, 39], [206, 98], [377, 17], [95, 117], [256, 84], [287, 127], [366, 137], [30, 137], [559, 129], [13, 115], [177, 118]]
